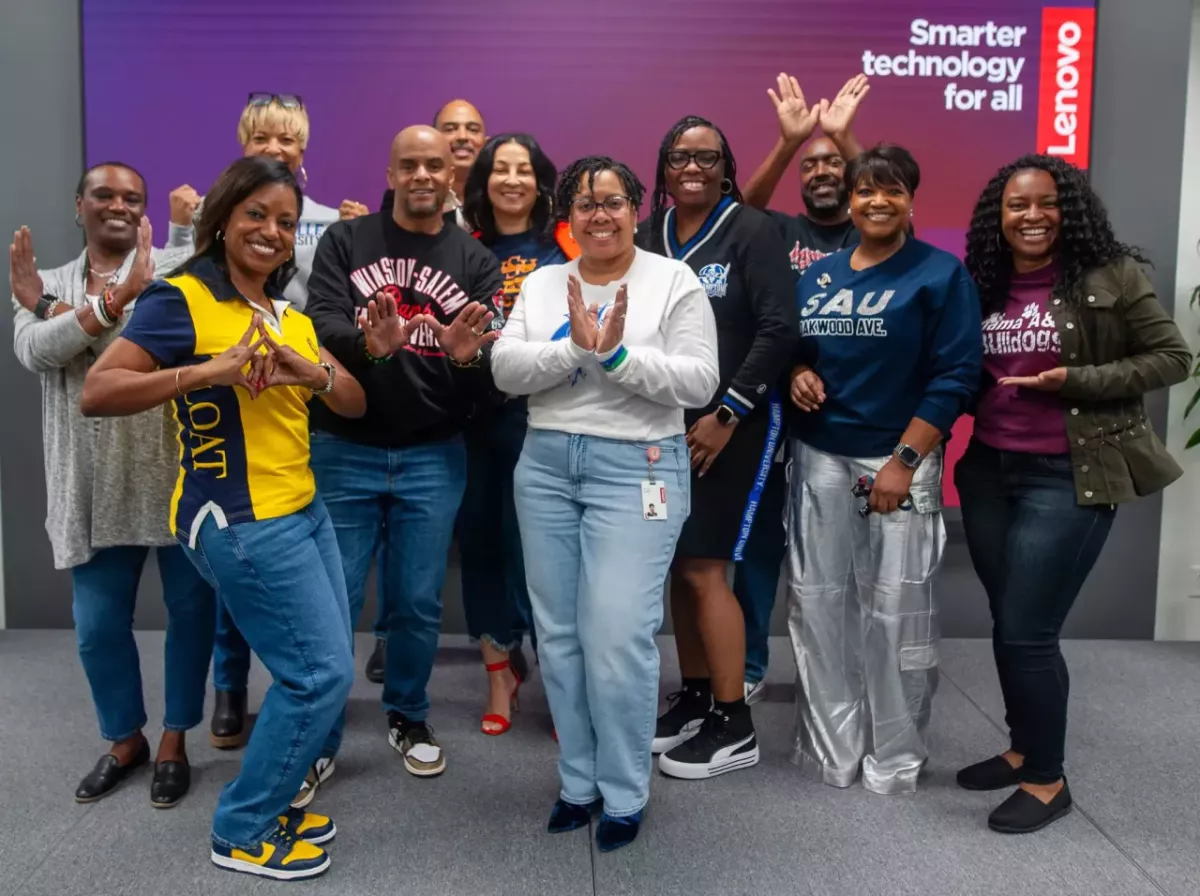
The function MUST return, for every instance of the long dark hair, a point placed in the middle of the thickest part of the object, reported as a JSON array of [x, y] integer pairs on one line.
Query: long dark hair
[[658, 205], [477, 206], [232, 187], [1085, 237]]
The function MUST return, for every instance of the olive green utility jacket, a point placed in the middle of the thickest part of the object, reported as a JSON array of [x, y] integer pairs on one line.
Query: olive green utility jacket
[[1118, 343]]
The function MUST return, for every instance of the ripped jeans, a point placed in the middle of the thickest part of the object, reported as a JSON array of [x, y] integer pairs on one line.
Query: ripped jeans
[[862, 620]]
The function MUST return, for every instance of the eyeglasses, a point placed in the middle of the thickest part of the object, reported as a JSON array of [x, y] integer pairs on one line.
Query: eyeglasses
[[678, 159], [286, 100], [614, 205]]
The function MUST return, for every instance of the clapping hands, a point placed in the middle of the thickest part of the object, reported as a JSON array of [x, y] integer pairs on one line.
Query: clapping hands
[[586, 330]]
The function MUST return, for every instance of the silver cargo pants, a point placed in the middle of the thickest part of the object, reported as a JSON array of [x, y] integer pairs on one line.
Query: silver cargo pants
[[862, 620]]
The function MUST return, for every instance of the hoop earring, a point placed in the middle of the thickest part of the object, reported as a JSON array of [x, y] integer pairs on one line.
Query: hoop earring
[[78, 222], [303, 178], [726, 186], [220, 235]]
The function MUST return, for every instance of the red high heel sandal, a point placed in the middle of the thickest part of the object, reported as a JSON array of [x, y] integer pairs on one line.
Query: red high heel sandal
[[493, 718]]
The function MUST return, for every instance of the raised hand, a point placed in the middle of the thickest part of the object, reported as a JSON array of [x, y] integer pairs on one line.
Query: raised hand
[[796, 118], [837, 116], [613, 329], [184, 202], [464, 337], [142, 270], [387, 332], [23, 275], [351, 209], [232, 366], [808, 391], [584, 328], [1047, 381]]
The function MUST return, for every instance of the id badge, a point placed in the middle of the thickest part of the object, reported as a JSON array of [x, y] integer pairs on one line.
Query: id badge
[[654, 500]]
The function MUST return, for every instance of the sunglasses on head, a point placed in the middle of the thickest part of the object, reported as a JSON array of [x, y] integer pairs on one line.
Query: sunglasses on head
[[286, 100]]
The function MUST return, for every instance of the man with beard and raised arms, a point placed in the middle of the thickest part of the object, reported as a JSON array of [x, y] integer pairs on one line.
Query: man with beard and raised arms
[[407, 303], [824, 229]]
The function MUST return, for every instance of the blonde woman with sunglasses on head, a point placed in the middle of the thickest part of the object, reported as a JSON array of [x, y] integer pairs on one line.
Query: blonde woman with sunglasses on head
[[275, 126]]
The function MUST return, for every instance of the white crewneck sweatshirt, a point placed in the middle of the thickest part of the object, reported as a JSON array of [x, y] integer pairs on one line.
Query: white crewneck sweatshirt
[[667, 360]]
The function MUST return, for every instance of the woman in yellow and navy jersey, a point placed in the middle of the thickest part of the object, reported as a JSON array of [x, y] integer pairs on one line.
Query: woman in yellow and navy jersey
[[218, 340]]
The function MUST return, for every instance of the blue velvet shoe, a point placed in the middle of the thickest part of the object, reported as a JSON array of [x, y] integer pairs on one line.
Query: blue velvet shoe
[[571, 816], [613, 833]]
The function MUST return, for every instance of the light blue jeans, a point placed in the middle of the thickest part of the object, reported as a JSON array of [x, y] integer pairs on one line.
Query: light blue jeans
[[596, 571], [281, 581]]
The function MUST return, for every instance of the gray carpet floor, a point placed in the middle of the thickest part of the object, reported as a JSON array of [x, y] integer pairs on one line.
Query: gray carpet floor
[[1133, 763]]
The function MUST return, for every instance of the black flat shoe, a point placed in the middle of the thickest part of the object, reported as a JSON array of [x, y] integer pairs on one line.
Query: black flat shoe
[[170, 783], [228, 728], [991, 774], [571, 816], [108, 773], [1024, 813], [376, 662]]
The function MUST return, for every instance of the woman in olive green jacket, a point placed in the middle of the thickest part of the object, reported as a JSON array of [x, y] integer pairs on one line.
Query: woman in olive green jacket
[[1073, 338]]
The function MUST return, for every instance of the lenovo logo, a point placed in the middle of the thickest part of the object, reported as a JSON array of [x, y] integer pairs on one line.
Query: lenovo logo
[[1065, 87]]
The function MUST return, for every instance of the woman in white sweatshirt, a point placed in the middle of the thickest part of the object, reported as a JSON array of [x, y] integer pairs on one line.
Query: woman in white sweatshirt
[[602, 487]]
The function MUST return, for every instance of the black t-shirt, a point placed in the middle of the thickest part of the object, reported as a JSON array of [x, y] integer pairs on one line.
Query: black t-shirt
[[739, 259], [807, 240], [418, 395]]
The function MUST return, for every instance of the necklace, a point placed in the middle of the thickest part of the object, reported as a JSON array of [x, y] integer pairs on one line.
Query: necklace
[[111, 275]]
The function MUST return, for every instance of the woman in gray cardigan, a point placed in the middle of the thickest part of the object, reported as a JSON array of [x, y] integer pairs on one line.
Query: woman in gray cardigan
[[109, 483]]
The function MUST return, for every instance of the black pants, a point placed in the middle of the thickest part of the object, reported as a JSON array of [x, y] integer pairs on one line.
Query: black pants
[[1032, 546]]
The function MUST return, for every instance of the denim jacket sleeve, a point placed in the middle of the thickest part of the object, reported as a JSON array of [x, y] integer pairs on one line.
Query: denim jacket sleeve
[[1156, 354]]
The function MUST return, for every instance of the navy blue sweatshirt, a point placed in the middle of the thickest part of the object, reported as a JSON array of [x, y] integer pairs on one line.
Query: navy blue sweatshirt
[[742, 263], [895, 341]]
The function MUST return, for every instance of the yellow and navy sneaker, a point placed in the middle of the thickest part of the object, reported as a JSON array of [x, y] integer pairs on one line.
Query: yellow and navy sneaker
[[308, 826], [281, 856]]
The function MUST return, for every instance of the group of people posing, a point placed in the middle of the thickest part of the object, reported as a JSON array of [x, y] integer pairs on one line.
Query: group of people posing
[[593, 387]]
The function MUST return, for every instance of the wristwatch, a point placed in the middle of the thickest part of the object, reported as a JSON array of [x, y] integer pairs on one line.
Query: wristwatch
[[725, 415], [46, 302], [331, 370], [907, 455]]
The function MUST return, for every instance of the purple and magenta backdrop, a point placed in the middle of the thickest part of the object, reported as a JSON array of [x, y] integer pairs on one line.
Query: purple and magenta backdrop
[[164, 83]]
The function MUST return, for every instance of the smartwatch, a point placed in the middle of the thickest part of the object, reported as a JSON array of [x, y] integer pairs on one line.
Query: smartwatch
[[907, 455], [725, 415], [42, 309]]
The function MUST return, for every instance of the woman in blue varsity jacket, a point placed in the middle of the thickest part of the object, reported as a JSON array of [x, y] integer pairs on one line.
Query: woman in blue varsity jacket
[[742, 263], [890, 332], [508, 205]]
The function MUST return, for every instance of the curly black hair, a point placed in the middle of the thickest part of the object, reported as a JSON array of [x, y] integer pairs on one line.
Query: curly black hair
[[658, 205], [1085, 238], [477, 206], [590, 166]]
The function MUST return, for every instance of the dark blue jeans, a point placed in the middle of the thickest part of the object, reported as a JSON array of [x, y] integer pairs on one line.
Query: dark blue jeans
[[756, 577], [281, 581], [495, 599], [104, 595], [1032, 546], [406, 499]]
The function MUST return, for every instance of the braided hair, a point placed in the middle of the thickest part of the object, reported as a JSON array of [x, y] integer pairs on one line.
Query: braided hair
[[658, 205], [590, 166], [1085, 239]]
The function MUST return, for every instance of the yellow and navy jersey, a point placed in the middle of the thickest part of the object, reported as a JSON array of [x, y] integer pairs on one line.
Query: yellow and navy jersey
[[240, 459]]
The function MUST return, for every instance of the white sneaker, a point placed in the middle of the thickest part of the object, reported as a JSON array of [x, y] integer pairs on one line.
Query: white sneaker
[[754, 691], [321, 771]]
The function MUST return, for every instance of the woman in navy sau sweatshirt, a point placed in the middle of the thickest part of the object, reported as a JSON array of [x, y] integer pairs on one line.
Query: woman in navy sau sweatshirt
[[890, 339]]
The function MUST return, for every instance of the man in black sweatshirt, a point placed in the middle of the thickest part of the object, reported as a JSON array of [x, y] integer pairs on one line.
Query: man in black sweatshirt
[[384, 291]]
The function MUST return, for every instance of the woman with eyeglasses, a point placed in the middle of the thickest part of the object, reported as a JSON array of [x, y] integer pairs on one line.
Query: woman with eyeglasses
[[602, 486], [509, 205], [741, 262], [275, 126]]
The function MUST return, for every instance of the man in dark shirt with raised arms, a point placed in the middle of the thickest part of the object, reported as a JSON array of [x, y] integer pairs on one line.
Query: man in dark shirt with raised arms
[[823, 230], [407, 303]]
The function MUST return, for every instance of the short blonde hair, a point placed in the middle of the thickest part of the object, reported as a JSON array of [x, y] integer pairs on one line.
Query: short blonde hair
[[273, 117]]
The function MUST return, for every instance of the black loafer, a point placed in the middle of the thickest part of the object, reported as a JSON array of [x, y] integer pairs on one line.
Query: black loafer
[[170, 783], [108, 773], [571, 816], [376, 662], [228, 728], [1024, 813], [991, 774]]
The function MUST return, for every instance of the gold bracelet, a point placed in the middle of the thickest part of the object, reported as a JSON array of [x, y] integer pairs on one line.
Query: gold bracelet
[[178, 370]]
